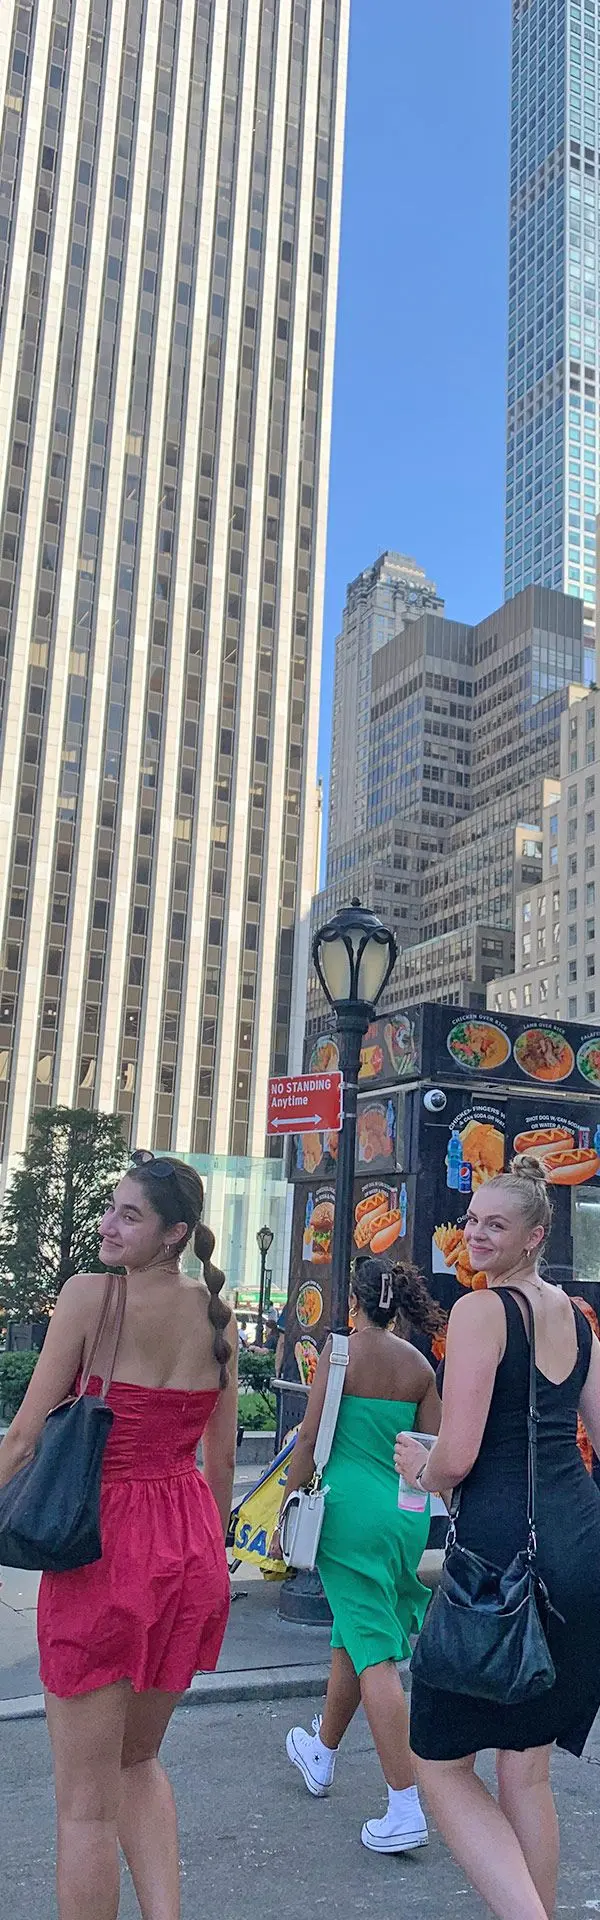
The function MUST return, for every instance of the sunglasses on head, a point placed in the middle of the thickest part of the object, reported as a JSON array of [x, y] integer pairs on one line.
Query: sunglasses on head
[[159, 1169]]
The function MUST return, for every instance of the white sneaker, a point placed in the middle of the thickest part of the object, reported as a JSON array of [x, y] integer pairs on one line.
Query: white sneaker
[[394, 1835], [317, 1771]]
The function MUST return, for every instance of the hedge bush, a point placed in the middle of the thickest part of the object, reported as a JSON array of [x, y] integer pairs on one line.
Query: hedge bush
[[15, 1374], [256, 1413], [257, 1404]]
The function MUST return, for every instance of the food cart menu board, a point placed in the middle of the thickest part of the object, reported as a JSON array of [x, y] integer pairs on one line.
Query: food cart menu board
[[463, 1144], [511, 1050], [383, 1219]]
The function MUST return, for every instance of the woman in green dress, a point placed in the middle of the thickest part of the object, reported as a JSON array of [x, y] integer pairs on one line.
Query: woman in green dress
[[370, 1549]]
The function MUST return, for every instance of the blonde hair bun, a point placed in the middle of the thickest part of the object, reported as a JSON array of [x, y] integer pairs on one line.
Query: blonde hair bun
[[526, 1166]]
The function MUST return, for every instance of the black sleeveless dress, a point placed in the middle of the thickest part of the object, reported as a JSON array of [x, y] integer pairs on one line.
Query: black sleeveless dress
[[493, 1522]]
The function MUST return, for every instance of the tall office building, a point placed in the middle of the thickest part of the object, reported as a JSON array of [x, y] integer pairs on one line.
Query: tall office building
[[464, 736], [170, 180], [554, 301], [379, 603]]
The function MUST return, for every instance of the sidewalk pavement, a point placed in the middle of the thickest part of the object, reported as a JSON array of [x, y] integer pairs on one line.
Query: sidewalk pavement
[[252, 1841], [263, 1657]]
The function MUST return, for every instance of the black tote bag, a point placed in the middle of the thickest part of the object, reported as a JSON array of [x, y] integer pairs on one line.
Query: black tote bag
[[483, 1634], [50, 1510]]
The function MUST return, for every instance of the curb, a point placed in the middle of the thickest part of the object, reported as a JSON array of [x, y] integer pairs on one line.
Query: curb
[[211, 1690], [220, 1689]]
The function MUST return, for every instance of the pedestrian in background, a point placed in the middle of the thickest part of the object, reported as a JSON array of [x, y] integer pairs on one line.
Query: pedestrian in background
[[370, 1550], [509, 1847], [121, 1639]]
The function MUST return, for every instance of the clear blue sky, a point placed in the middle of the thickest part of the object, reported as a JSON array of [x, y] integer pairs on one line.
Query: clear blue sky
[[419, 398]]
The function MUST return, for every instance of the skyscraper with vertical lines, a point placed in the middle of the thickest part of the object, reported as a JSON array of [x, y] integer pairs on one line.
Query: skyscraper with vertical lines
[[553, 433], [170, 183]]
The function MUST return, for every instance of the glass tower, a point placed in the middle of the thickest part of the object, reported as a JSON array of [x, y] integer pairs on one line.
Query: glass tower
[[170, 184], [553, 341]]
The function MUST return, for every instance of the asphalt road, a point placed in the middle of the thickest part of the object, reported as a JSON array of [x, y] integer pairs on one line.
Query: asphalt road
[[254, 1842]]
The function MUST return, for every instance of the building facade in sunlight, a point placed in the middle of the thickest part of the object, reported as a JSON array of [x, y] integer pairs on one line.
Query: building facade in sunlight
[[170, 181]]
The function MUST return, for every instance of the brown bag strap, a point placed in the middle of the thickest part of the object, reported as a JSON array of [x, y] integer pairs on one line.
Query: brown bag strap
[[112, 1281]]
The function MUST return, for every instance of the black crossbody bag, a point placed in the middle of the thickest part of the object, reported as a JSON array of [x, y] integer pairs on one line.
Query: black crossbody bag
[[483, 1633], [50, 1510]]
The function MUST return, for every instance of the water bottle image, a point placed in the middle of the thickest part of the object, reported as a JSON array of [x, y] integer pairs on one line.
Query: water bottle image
[[307, 1237], [454, 1160], [403, 1207], [414, 1499]]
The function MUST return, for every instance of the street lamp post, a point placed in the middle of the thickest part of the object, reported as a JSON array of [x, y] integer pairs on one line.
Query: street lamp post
[[354, 955], [264, 1240]]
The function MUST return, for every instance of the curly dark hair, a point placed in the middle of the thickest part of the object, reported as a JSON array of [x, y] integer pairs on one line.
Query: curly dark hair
[[408, 1297], [182, 1198]]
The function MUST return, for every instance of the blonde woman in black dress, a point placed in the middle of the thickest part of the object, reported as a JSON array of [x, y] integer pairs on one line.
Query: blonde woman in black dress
[[509, 1846]]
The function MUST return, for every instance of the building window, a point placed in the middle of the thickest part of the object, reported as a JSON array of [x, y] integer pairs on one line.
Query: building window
[[543, 991], [526, 912], [572, 900], [498, 1002], [572, 831], [590, 929], [512, 999], [572, 1008], [590, 787], [572, 969], [527, 994], [590, 1003], [572, 796], [573, 934], [573, 761], [590, 857], [572, 865], [590, 966]]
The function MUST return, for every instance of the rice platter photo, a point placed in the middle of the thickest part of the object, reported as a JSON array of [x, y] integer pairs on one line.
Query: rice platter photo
[[588, 1061], [478, 1046], [544, 1054]]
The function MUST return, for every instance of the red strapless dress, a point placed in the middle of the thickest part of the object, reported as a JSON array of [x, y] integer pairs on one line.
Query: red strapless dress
[[154, 1609]]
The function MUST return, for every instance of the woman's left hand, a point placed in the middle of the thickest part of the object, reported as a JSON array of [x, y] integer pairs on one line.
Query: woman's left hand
[[409, 1457]]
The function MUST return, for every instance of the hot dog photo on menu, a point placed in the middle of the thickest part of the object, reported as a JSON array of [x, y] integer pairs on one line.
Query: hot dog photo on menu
[[380, 1217]]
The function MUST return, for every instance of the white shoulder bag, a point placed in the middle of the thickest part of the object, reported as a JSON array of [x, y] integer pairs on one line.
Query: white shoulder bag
[[302, 1516]]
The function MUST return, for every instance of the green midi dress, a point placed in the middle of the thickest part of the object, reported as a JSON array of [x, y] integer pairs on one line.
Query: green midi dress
[[369, 1549]]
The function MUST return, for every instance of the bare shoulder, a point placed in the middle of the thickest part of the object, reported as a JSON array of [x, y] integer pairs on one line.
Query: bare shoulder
[[82, 1291], [479, 1316], [411, 1365]]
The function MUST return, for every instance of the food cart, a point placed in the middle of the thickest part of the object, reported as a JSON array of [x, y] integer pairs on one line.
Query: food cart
[[446, 1097]]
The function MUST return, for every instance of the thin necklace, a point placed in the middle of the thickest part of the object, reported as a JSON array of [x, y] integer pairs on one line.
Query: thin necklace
[[530, 1279]]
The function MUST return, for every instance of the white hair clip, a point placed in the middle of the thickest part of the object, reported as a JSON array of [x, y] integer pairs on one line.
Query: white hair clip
[[386, 1297]]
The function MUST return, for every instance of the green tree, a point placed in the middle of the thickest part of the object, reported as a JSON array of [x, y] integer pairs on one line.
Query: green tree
[[49, 1225]]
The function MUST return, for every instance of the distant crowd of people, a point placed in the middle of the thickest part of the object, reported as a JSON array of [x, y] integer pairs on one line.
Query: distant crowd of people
[[273, 1340], [121, 1638]]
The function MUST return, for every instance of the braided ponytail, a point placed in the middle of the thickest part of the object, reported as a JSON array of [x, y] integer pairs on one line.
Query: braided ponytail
[[218, 1313]]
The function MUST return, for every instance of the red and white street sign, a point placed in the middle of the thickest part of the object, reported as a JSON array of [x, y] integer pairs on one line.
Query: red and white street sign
[[306, 1104]]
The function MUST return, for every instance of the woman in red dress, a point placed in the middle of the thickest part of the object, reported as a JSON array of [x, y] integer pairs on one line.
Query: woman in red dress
[[120, 1640]]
